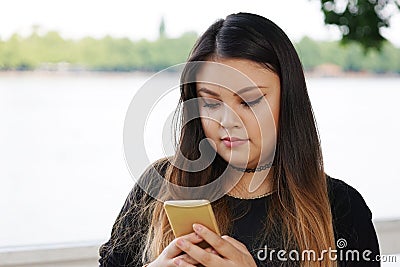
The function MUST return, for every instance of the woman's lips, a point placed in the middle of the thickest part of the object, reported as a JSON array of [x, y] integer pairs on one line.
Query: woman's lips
[[234, 142]]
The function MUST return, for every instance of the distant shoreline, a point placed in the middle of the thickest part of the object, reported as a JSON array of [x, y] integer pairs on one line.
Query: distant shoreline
[[353, 75], [308, 74], [75, 73]]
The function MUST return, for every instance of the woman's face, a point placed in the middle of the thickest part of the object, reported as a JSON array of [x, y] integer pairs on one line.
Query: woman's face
[[239, 108]]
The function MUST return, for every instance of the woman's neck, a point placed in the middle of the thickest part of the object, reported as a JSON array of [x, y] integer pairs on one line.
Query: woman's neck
[[252, 184]]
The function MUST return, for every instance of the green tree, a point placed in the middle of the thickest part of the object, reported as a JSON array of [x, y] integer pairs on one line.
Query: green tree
[[309, 53], [123, 54], [360, 20], [161, 28]]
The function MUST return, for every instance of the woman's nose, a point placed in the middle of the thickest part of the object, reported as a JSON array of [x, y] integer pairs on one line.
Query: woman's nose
[[229, 118]]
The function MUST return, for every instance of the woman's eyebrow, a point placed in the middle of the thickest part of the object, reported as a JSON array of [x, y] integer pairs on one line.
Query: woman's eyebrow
[[241, 91]]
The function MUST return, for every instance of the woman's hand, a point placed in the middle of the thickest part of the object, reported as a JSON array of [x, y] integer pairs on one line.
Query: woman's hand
[[230, 252], [171, 252]]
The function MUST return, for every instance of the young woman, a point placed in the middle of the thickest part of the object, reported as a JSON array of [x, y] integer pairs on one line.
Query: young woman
[[249, 99]]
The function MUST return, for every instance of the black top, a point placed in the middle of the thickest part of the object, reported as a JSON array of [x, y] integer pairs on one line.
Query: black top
[[354, 231]]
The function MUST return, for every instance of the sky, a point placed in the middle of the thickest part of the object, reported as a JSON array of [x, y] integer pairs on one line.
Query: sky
[[140, 19]]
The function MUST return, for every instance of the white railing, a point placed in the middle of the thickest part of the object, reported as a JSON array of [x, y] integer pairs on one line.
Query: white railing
[[55, 255], [389, 236]]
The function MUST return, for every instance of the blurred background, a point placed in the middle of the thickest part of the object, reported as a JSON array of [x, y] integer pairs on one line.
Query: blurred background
[[69, 69]]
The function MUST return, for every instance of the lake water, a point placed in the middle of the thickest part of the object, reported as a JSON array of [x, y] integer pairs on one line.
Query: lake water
[[63, 176]]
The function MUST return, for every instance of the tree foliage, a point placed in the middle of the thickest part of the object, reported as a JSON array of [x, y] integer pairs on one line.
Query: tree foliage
[[106, 54], [360, 21], [350, 57], [50, 51]]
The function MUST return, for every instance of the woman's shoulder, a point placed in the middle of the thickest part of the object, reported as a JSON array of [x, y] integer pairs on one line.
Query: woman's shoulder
[[352, 221], [150, 180], [130, 227], [158, 166], [346, 201]]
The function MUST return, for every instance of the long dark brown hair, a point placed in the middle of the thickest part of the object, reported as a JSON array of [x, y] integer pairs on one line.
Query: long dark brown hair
[[299, 213]]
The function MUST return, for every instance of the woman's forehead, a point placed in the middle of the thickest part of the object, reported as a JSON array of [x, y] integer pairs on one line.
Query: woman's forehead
[[235, 75], [215, 89]]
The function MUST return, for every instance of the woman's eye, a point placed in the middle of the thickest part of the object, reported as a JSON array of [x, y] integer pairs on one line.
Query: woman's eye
[[252, 103], [210, 105]]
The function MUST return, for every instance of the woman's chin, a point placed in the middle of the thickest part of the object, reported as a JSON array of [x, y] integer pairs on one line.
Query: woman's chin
[[238, 162]]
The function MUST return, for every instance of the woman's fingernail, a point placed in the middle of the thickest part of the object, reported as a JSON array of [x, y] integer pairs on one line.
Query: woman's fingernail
[[177, 261], [197, 227]]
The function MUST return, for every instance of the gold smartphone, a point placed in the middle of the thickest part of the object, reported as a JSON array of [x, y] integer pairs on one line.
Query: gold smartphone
[[182, 214]]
